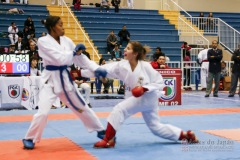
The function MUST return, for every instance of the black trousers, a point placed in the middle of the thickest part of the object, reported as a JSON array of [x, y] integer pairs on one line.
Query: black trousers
[[123, 39], [187, 76], [110, 47], [116, 8]]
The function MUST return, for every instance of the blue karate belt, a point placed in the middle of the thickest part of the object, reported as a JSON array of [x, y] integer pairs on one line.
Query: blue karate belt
[[61, 69]]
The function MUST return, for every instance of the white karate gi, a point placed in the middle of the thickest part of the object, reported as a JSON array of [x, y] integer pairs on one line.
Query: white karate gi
[[147, 104], [61, 54], [57, 103], [202, 57], [13, 37]]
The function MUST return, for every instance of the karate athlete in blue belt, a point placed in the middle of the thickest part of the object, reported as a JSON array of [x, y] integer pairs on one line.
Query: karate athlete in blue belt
[[58, 52]]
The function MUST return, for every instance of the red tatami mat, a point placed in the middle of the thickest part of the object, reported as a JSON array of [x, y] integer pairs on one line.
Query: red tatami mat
[[232, 134], [24, 118], [48, 149]]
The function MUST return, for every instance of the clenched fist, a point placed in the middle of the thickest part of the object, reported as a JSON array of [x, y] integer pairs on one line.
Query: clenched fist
[[138, 91]]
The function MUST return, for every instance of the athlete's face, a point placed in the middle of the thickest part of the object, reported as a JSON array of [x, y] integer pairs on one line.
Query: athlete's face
[[129, 54], [58, 28], [103, 62]]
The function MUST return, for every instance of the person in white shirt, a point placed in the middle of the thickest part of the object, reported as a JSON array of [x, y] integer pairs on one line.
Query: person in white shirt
[[34, 71], [13, 30], [203, 60], [58, 1], [130, 4], [80, 83], [104, 4], [23, 1]]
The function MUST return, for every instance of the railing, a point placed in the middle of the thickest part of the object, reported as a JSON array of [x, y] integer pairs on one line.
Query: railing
[[204, 24], [228, 36], [229, 65], [188, 33], [174, 64], [190, 69], [190, 72], [172, 5], [78, 27]]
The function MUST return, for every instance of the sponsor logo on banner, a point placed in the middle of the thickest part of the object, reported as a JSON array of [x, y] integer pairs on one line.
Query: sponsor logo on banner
[[25, 94], [170, 89], [14, 90]]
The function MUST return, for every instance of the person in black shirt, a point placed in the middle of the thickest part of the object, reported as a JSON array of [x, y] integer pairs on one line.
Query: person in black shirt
[[33, 51], [157, 53], [124, 35], [116, 4], [235, 72], [214, 57], [30, 24], [19, 45]]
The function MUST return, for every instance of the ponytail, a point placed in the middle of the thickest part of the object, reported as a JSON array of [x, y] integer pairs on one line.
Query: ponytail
[[140, 50]]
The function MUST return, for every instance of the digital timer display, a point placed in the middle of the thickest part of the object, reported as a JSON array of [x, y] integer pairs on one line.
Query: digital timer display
[[14, 64]]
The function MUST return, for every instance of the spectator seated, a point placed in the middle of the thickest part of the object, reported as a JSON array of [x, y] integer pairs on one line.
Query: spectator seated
[[98, 84]]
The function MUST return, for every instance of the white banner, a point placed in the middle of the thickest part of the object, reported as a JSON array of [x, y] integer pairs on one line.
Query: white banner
[[11, 89], [30, 92], [19, 92]]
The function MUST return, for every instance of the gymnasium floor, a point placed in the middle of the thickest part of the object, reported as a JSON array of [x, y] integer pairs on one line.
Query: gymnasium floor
[[216, 122]]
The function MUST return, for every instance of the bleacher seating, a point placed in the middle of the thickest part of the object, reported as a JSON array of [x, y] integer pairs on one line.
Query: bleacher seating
[[145, 26], [37, 12], [233, 19]]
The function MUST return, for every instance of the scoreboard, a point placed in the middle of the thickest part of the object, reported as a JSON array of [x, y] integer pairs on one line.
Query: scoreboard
[[14, 64]]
